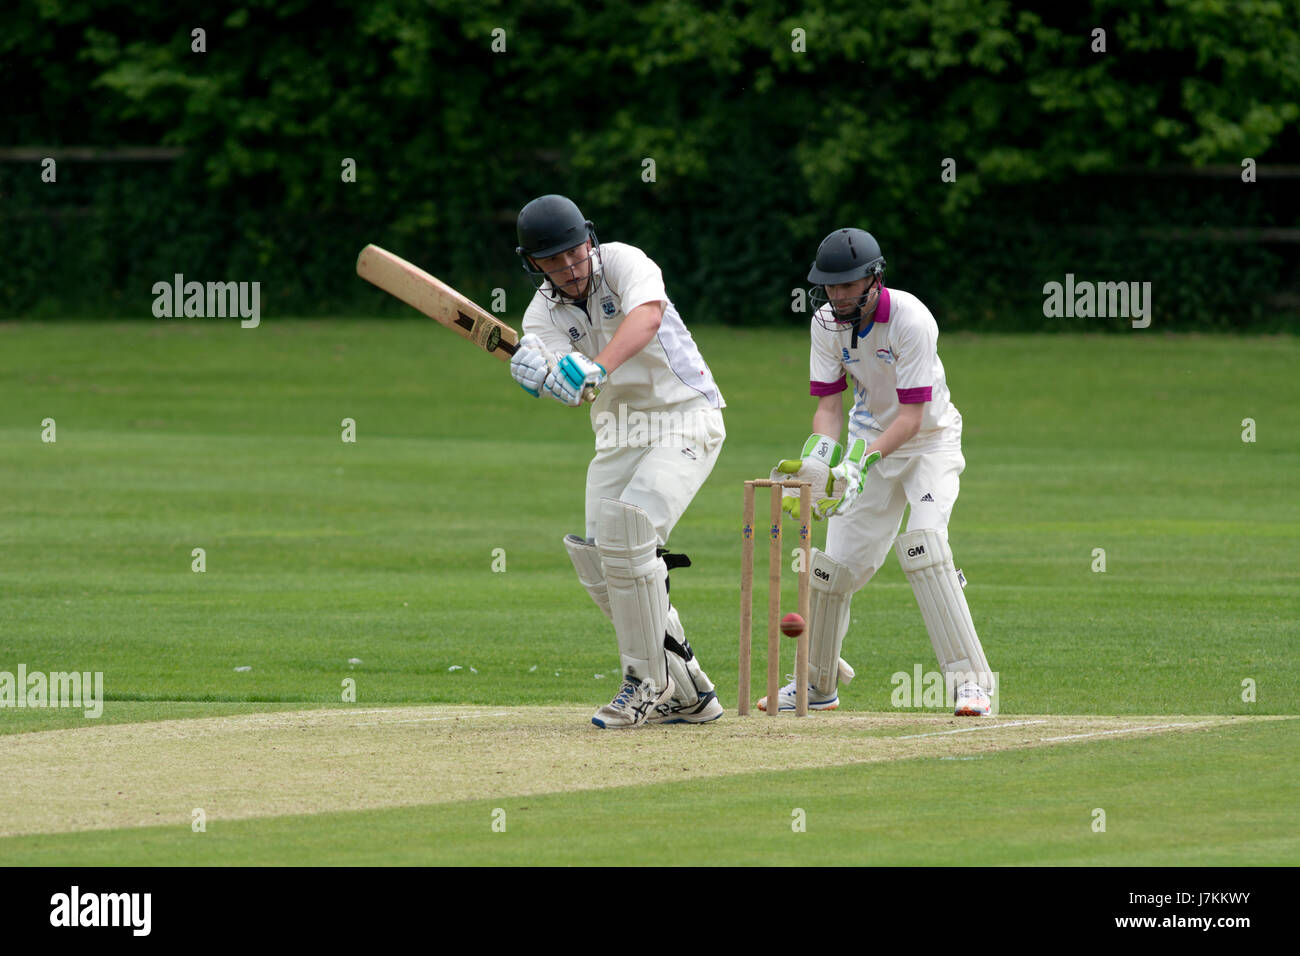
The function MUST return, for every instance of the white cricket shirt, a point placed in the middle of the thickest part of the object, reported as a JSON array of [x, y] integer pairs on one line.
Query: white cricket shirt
[[896, 362], [668, 371]]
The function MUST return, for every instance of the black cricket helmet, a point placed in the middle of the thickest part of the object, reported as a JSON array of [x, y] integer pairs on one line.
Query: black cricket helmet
[[846, 255], [547, 226]]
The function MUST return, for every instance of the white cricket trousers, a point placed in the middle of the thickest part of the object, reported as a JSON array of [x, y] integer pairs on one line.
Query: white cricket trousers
[[654, 460], [861, 537]]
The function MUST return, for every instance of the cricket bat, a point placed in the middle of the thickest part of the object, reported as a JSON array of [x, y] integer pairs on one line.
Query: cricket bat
[[437, 300], [442, 303]]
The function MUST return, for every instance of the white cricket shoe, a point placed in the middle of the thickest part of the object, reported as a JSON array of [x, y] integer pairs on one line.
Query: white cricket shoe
[[632, 704], [786, 699], [703, 710], [972, 701]]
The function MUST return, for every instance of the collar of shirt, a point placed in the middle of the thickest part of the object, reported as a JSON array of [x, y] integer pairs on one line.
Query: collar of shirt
[[881, 315]]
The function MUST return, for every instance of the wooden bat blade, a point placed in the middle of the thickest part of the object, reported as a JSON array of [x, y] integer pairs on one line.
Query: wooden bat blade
[[440, 302], [437, 300]]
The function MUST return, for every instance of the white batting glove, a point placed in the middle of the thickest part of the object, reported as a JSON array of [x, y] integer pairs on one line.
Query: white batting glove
[[573, 374], [530, 364]]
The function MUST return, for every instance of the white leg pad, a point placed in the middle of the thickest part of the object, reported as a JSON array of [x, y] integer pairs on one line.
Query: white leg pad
[[635, 580], [927, 562], [586, 561], [831, 590]]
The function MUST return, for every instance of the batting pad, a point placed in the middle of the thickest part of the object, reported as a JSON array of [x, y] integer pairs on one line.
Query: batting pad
[[586, 561], [689, 679], [829, 609], [636, 582], [927, 562]]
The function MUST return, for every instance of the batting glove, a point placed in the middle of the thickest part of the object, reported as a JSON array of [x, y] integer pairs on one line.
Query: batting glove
[[572, 374], [530, 364], [853, 473]]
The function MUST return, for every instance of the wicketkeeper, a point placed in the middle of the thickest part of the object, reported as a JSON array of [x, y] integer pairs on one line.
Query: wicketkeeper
[[601, 322], [904, 448]]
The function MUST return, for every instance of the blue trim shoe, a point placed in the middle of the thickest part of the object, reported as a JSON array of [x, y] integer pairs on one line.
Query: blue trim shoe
[[816, 701]]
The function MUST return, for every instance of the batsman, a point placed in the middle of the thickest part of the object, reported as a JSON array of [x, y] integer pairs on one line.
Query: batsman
[[601, 323], [903, 448]]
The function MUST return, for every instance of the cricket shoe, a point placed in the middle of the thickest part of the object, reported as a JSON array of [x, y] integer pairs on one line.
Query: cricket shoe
[[972, 701], [705, 709], [632, 704], [786, 699]]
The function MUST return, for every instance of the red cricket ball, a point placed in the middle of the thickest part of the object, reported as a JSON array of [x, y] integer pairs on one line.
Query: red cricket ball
[[792, 625]]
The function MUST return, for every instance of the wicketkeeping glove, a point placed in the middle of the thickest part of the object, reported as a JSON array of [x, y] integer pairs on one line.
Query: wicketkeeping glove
[[530, 364], [853, 473], [821, 453], [573, 373]]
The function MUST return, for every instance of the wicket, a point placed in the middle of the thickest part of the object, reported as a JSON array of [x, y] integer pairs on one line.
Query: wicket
[[775, 558]]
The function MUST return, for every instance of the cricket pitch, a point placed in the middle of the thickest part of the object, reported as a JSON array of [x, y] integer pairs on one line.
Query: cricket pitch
[[317, 761]]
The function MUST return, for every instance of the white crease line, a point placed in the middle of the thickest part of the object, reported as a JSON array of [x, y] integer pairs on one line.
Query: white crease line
[[421, 720], [967, 730], [1125, 730], [301, 715]]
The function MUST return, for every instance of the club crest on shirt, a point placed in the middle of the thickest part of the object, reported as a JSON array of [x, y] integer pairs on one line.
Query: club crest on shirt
[[607, 306], [847, 360], [885, 355]]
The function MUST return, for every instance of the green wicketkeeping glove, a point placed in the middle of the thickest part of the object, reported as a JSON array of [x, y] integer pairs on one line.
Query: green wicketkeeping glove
[[852, 471], [820, 455]]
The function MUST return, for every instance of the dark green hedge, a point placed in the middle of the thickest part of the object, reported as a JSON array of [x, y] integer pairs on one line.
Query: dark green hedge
[[760, 149]]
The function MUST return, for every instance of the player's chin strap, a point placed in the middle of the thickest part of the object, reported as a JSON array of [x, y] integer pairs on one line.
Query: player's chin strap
[[867, 331]]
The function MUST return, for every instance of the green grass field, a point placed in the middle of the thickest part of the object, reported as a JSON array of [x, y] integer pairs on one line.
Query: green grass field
[[373, 561]]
